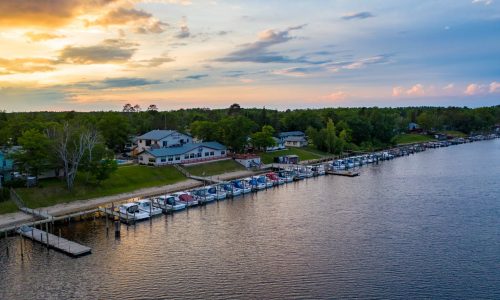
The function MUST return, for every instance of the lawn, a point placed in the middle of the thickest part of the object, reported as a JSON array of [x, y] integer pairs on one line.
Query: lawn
[[215, 168], [412, 138], [125, 179], [302, 153], [455, 133], [7, 207]]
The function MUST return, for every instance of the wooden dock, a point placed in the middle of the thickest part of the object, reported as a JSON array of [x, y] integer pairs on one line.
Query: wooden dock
[[124, 218], [53, 241], [343, 173]]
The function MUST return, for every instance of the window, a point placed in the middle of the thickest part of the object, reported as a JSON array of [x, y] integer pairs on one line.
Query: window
[[170, 158], [222, 152], [207, 153], [148, 142], [186, 156], [163, 159], [191, 155], [212, 153], [199, 154], [152, 159], [177, 158], [140, 157], [165, 143]]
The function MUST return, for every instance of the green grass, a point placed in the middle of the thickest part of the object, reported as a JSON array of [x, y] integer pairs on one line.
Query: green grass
[[454, 133], [412, 138], [215, 168], [302, 153], [7, 207], [125, 179]]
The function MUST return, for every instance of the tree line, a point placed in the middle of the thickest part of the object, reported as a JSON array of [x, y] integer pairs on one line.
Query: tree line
[[44, 135]]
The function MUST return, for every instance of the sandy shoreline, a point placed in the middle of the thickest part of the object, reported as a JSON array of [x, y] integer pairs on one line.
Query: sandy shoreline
[[12, 219]]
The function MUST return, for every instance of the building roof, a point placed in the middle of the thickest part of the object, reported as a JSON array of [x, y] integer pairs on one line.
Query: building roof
[[291, 133], [184, 148], [158, 134], [295, 139]]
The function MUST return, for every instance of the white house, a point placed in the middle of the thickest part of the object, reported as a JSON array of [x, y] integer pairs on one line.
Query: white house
[[184, 154], [161, 139], [293, 138], [248, 160], [280, 145]]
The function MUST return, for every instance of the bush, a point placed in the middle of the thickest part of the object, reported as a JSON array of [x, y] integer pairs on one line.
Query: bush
[[4, 194], [15, 183]]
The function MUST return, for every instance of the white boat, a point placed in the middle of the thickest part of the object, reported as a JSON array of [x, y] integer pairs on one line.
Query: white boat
[[252, 181], [320, 170], [217, 191], [349, 163], [243, 185], [232, 190], [169, 202], [186, 198], [132, 211], [263, 179], [202, 194], [286, 176], [147, 206], [339, 164]]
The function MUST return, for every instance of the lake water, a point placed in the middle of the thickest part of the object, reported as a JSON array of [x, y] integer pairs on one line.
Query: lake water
[[422, 226]]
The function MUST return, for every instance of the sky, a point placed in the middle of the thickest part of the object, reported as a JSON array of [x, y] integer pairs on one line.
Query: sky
[[88, 55]]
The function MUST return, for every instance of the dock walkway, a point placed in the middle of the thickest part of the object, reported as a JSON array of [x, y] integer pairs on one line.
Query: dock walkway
[[53, 241]]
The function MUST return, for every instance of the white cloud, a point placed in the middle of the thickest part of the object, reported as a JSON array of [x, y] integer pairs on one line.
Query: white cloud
[[494, 87], [336, 96], [483, 2], [416, 90], [398, 91], [474, 89], [449, 87]]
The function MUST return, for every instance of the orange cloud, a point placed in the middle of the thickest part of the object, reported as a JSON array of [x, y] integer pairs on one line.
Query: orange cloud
[[48, 14], [42, 36]]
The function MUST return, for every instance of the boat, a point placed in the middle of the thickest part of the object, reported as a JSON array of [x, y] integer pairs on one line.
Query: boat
[[202, 194], [147, 206], [263, 179], [186, 198], [287, 176], [320, 170], [339, 164], [232, 190], [244, 186], [217, 191], [132, 211], [275, 178], [349, 163], [305, 172], [252, 181], [169, 202]]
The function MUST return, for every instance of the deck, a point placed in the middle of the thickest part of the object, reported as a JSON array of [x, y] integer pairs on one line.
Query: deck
[[53, 241]]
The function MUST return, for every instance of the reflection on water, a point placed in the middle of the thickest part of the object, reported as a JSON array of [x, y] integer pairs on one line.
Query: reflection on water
[[423, 226]]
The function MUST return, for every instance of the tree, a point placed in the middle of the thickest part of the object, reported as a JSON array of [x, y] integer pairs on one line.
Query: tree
[[70, 143], [115, 130], [104, 169], [128, 108], [152, 108], [205, 130], [263, 139], [330, 137], [137, 108], [33, 157], [234, 132], [234, 109]]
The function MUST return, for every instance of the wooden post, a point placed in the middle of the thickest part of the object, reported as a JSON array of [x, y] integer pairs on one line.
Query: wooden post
[[22, 250], [117, 228], [106, 216], [59, 237], [47, 233]]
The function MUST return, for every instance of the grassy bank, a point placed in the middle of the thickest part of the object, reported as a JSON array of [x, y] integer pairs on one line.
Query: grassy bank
[[215, 168], [302, 153], [7, 207], [454, 133], [412, 138], [125, 179]]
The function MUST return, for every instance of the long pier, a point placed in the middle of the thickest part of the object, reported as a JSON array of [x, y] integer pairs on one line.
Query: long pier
[[53, 241]]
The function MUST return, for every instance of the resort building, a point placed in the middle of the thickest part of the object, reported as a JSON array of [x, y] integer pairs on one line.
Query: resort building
[[279, 145], [184, 154], [156, 139], [293, 139]]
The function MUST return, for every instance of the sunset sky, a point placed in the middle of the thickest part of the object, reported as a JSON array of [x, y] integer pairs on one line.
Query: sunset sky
[[101, 54]]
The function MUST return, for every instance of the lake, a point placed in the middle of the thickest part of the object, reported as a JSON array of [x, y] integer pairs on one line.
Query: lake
[[421, 226]]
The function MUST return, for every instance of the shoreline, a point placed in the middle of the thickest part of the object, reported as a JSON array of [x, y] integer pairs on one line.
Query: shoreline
[[16, 218]]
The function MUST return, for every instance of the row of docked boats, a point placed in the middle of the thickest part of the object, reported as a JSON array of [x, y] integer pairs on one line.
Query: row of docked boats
[[154, 206]]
